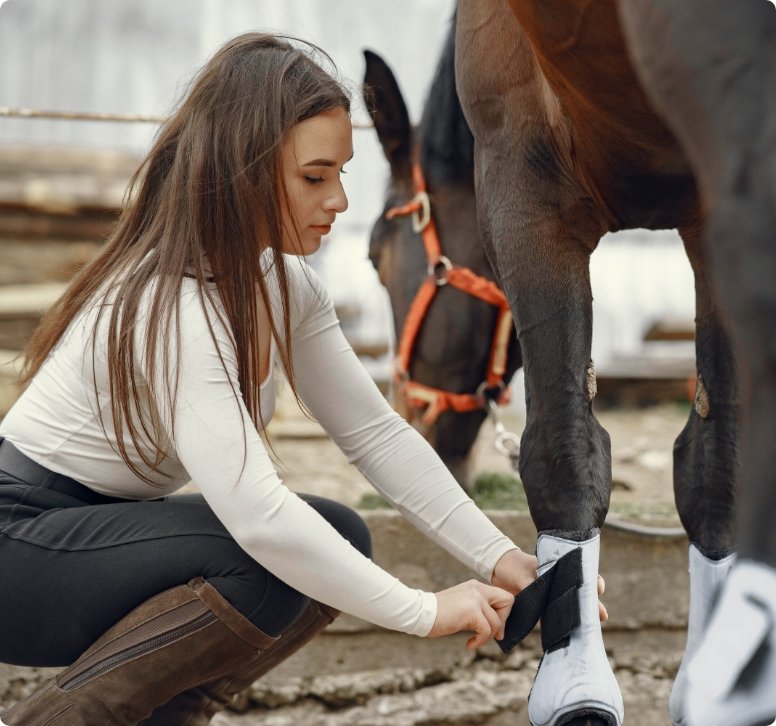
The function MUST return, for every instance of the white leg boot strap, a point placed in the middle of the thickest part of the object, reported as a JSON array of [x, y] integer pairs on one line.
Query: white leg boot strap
[[706, 579], [575, 679], [731, 678]]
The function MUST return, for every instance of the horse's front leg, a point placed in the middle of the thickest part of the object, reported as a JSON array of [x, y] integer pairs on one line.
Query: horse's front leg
[[541, 252], [542, 259], [538, 231]]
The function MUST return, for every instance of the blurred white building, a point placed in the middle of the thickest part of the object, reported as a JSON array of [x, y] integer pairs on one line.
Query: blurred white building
[[136, 56]]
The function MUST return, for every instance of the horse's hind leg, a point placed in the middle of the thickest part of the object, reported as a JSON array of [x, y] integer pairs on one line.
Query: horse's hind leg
[[705, 465], [706, 67]]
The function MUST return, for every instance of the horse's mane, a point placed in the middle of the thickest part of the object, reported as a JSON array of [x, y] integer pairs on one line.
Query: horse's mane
[[446, 143]]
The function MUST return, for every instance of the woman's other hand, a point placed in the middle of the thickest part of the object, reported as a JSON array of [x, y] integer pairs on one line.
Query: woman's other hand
[[472, 606], [516, 570]]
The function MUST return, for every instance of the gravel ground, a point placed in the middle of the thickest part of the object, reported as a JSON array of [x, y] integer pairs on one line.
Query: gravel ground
[[491, 691], [488, 691]]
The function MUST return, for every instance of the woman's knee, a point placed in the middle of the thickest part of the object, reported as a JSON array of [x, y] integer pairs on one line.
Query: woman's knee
[[345, 520]]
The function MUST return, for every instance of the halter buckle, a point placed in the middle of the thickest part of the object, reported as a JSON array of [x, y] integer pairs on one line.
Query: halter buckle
[[421, 217]]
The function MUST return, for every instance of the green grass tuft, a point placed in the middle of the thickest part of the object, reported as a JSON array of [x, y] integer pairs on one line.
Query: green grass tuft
[[372, 501], [497, 490], [491, 490]]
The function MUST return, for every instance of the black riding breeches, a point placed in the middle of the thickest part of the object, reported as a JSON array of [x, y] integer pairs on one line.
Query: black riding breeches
[[73, 562]]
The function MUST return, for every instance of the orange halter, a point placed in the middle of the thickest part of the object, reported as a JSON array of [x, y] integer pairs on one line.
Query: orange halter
[[443, 272]]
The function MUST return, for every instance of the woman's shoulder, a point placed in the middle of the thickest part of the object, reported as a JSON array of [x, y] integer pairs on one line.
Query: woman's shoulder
[[302, 275], [307, 294]]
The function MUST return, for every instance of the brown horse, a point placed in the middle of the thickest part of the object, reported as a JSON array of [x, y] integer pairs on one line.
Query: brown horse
[[569, 146], [713, 83], [452, 349]]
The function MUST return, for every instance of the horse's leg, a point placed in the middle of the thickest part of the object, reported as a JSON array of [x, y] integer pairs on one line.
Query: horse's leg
[[565, 460], [706, 69], [539, 231], [705, 464]]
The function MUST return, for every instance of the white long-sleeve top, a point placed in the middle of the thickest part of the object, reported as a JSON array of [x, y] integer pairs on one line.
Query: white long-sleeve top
[[213, 442]]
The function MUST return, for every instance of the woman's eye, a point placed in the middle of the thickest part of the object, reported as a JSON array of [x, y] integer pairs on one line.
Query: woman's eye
[[313, 179], [343, 171]]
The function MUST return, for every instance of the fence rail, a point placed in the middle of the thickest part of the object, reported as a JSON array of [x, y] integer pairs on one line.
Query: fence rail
[[25, 113]]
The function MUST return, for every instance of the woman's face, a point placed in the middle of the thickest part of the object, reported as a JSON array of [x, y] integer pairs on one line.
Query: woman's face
[[312, 158]]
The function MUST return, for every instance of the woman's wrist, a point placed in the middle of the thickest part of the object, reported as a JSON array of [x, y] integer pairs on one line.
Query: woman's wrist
[[514, 571]]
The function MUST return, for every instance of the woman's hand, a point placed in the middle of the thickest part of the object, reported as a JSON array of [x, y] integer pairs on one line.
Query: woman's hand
[[516, 570], [473, 606]]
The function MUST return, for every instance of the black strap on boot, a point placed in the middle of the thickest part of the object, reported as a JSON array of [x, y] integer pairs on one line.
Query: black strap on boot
[[552, 597]]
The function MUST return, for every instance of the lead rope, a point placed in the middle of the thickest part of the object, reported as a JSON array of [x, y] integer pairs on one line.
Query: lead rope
[[506, 443]]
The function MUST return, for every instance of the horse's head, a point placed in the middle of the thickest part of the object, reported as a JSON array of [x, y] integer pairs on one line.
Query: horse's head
[[453, 345]]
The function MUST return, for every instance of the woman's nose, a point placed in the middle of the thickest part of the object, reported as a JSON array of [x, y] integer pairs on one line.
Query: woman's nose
[[338, 202]]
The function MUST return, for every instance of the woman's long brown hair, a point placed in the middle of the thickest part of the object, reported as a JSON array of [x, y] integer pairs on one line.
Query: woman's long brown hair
[[206, 201]]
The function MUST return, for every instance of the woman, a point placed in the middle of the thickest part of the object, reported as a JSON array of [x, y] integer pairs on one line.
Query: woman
[[156, 367]]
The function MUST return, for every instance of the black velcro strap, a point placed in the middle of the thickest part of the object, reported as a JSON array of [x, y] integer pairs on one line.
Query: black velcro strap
[[551, 598], [561, 614]]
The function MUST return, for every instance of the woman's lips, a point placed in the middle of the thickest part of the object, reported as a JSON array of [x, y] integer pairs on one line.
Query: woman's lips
[[322, 229]]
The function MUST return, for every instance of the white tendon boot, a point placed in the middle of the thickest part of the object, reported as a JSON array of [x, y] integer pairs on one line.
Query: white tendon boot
[[732, 677], [706, 579], [576, 680]]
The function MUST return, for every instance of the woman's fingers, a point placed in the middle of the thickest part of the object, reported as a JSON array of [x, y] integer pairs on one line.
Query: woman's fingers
[[602, 612], [473, 606], [496, 609], [501, 602], [483, 633]]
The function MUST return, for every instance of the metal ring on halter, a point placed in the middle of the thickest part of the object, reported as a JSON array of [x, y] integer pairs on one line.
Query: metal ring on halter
[[439, 270], [399, 373], [506, 443], [422, 217]]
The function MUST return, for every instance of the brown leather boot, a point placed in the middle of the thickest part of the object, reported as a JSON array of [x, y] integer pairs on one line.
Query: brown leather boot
[[178, 639], [196, 706]]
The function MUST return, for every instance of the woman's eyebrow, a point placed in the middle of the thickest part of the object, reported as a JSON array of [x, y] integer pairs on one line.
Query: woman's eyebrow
[[325, 162]]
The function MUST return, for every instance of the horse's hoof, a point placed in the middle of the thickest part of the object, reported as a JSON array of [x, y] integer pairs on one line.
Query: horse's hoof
[[593, 719], [575, 684], [730, 679], [582, 716]]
